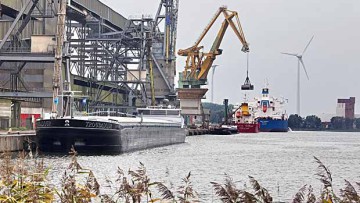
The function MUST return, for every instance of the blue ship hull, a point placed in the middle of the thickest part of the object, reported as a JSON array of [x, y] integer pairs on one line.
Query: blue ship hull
[[271, 125]]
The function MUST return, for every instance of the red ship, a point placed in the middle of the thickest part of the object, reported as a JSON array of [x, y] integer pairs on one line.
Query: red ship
[[245, 121]]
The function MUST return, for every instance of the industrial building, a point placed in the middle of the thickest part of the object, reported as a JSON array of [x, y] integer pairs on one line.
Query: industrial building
[[112, 63], [346, 108]]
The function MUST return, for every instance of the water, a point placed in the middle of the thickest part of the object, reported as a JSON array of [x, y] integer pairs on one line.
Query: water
[[281, 162]]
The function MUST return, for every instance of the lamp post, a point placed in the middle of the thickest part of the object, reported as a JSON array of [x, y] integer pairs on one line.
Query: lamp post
[[212, 82]]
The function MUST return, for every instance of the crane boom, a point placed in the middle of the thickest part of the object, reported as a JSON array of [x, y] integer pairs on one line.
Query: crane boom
[[207, 28], [199, 63]]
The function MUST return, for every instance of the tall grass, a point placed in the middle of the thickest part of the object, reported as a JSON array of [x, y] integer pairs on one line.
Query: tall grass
[[24, 179]]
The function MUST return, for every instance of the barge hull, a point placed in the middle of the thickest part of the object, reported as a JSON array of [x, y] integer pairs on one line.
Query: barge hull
[[59, 135], [83, 140]]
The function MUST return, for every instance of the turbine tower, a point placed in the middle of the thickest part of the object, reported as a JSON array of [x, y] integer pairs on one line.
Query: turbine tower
[[300, 61]]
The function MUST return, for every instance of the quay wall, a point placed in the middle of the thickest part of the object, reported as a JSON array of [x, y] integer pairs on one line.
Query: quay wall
[[14, 142]]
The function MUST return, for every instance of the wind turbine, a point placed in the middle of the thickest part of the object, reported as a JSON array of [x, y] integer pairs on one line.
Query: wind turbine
[[300, 61]]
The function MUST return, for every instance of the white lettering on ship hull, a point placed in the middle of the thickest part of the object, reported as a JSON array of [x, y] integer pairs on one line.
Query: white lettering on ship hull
[[43, 124], [89, 124]]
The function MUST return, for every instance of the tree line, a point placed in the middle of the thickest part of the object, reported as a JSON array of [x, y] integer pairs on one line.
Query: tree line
[[217, 111], [296, 122], [313, 122]]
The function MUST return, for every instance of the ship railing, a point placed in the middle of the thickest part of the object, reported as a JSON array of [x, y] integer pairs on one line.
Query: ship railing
[[110, 113]]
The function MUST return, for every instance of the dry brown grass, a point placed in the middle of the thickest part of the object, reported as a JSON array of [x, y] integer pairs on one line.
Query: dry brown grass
[[24, 179]]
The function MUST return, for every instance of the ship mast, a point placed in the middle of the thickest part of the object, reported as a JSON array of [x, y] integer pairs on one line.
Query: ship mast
[[60, 30]]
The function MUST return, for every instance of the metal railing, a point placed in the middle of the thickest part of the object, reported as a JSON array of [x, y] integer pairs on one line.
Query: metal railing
[[109, 113]]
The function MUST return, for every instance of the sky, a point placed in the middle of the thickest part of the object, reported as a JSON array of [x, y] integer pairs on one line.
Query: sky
[[271, 27]]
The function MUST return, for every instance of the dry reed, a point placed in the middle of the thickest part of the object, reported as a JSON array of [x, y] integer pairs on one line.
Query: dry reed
[[24, 179]]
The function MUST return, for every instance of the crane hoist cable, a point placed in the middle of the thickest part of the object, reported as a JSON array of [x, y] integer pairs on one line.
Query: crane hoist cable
[[247, 84]]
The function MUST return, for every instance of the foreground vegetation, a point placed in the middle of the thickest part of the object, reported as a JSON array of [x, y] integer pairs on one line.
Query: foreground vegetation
[[24, 179]]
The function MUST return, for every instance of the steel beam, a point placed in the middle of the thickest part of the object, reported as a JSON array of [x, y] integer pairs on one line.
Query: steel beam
[[109, 46], [101, 10], [27, 19], [13, 25], [27, 58], [161, 72], [25, 95]]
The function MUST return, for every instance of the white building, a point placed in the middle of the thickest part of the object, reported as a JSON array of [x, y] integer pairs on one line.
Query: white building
[[340, 109]]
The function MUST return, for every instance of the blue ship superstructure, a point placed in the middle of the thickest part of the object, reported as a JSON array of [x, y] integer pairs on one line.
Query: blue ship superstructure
[[270, 113]]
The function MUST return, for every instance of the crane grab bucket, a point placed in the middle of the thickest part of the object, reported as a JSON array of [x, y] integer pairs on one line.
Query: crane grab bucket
[[247, 84]]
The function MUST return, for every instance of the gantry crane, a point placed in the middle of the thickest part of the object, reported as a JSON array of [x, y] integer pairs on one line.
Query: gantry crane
[[198, 63]]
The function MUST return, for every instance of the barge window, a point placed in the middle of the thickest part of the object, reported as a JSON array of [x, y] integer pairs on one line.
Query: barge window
[[173, 112], [144, 112], [158, 112]]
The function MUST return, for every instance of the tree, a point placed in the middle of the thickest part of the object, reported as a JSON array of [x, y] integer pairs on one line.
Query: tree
[[295, 121], [312, 122], [349, 123], [217, 112], [338, 122], [357, 123]]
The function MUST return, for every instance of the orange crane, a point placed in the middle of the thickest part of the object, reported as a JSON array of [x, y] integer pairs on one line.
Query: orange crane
[[198, 63]]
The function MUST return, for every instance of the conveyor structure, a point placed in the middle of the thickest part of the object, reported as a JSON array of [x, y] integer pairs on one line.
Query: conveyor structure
[[105, 55]]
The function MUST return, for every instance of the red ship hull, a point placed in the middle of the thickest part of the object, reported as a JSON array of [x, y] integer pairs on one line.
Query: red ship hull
[[248, 127]]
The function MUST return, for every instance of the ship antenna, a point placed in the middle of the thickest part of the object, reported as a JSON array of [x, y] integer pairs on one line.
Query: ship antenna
[[266, 82], [245, 98]]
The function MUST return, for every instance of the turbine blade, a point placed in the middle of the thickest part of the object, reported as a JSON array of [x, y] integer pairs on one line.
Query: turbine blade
[[303, 65], [289, 54], [308, 45]]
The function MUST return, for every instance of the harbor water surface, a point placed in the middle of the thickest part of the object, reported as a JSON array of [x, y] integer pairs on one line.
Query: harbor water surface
[[281, 162]]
